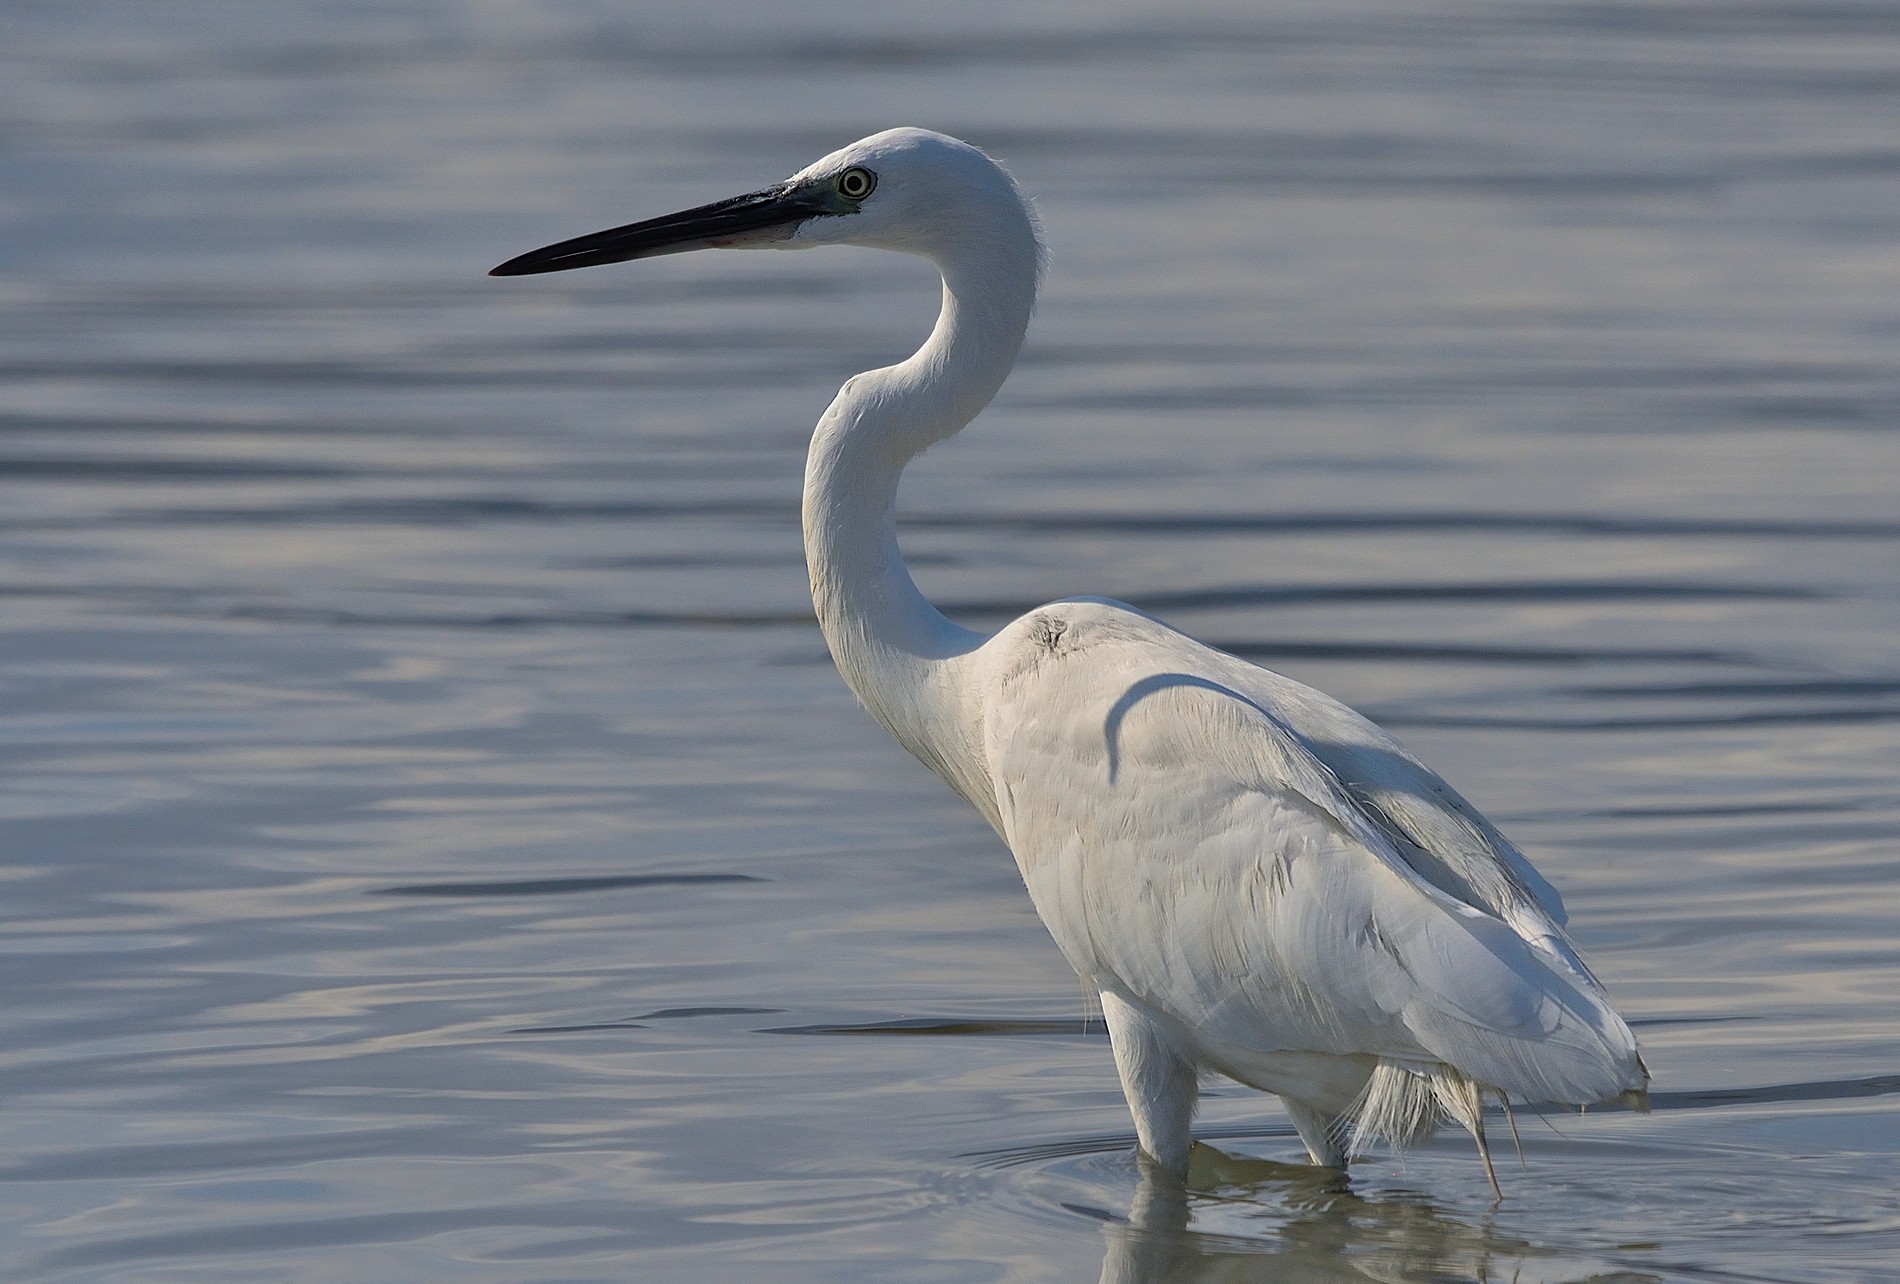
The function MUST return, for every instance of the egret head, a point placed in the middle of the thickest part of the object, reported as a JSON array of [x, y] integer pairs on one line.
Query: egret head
[[904, 189]]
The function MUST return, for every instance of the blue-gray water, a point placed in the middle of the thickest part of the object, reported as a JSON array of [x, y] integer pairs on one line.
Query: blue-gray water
[[438, 848]]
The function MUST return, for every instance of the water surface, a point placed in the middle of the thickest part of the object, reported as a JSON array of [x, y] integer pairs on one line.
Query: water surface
[[439, 848]]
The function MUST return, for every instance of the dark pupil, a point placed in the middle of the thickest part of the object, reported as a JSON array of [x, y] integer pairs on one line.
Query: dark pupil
[[854, 183]]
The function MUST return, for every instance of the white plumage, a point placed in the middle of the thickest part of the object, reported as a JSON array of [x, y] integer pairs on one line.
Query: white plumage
[[1257, 881]]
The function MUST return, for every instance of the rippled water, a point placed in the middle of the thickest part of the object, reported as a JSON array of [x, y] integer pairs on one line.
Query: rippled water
[[439, 848]]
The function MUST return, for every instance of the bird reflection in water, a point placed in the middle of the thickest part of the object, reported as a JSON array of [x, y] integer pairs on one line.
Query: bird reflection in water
[[1325, 1232]]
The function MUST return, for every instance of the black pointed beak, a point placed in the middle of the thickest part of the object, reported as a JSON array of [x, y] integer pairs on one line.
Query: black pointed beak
[[744, 220]]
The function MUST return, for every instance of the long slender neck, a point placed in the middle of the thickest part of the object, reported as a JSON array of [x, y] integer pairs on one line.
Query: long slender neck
[[897, 651]]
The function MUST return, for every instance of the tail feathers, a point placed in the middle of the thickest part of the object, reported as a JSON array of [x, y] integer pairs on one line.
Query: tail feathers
[[1403, 1104], [1399, 1106]]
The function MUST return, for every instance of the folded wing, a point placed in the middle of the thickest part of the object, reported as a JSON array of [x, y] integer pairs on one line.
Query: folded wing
[[1274, 874]]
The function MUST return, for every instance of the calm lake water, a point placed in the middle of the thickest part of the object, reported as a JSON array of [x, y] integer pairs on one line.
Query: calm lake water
[[437, 846]]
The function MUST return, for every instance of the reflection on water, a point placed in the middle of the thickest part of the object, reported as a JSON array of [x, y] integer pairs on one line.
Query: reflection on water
[[1324, 1233], [437, 845], [1239, 1217]]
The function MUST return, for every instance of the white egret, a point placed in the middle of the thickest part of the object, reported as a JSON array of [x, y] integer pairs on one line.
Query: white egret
[[1257, 880]]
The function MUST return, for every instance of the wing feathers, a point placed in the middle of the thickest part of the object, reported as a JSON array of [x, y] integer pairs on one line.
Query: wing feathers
[[1270, 873], [1477, 994]]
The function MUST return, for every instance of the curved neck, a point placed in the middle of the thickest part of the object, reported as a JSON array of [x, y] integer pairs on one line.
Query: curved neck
[[897, 651]]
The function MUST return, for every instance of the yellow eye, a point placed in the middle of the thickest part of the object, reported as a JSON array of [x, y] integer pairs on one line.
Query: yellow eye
[[855, 184]]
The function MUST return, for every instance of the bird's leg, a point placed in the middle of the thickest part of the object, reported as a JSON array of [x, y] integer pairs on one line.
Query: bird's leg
[[1463, 1100], [1484, 1153], [1324, 1134], [1517, 1141], [1161, 1085]]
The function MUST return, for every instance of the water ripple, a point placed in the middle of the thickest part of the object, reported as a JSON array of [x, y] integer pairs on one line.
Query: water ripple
[[562, 886]]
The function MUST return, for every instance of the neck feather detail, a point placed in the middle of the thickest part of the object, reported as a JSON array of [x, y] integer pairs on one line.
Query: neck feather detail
[[901, 656]]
